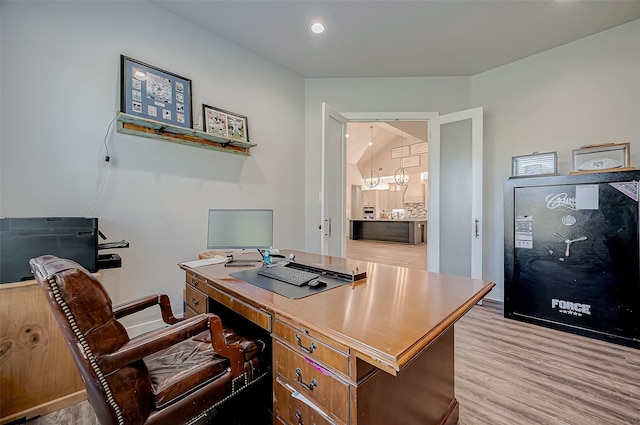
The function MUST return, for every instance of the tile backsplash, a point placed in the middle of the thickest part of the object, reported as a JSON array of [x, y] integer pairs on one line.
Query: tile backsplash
[[416, 210]]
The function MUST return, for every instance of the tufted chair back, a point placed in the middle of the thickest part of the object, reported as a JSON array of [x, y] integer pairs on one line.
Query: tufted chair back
[[168, 376]]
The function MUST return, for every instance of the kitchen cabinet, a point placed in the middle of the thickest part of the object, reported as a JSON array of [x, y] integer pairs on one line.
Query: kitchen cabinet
[[369, 198], [410, 231], [396, 196], [383, 200]]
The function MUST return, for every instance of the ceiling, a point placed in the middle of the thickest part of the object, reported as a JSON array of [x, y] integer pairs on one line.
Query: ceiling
[[384, 136], [394, 38]]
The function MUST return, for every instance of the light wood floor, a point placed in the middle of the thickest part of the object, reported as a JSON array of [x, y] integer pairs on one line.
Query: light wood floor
[[397, 254], [513, 373], [509, 372]]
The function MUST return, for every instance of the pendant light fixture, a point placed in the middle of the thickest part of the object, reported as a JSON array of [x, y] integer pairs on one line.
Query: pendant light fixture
[[402, 175], [374, 178]]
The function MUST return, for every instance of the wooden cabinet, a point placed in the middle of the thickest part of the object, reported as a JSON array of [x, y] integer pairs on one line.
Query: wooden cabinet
[[195, 295], [318, 380], [315, 367], [292, 411], [37, 373]]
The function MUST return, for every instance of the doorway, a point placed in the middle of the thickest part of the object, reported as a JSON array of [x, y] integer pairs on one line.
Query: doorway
[[386, 165], [334, 152]]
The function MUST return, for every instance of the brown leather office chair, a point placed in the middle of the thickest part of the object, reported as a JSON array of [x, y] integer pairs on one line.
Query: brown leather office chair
[[173, 375]]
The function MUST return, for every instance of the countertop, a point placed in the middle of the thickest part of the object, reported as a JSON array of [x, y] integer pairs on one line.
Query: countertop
[[389, 219]]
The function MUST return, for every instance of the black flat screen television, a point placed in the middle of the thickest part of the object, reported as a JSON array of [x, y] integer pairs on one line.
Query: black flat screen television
[[240, 229], [21, 239]]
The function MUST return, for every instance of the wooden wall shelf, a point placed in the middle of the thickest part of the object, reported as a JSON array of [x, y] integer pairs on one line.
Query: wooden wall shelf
[[130, 124]]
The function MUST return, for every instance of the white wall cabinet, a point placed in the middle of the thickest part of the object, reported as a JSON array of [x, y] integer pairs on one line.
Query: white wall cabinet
[[396, 196], [383, 200], [369, 198]]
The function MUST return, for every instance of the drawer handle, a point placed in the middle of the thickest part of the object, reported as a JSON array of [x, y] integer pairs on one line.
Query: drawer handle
[[299, 416], [308, 350], [194, 301], [310, 386]]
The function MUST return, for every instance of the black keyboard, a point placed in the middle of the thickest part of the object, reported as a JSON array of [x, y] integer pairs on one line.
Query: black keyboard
[[288, 275]]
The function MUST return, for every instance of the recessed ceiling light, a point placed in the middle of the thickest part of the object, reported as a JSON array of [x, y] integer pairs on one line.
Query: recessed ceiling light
[[317, 28]]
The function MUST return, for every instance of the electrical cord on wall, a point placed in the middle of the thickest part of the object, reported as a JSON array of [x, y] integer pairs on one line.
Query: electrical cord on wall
[[107, 160]]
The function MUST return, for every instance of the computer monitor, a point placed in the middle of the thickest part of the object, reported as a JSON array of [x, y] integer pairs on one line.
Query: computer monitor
[[240, 229]]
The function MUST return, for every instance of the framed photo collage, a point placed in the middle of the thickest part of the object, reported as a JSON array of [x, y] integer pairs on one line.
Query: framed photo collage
[[153, 93]]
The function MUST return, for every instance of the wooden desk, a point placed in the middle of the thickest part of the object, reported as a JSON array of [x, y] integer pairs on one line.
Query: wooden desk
[[376, 352]]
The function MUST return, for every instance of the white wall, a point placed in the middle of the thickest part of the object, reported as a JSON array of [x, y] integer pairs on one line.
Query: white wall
[[585, 92], [59, 84], [60, 90], [582, 93], [433, 94]]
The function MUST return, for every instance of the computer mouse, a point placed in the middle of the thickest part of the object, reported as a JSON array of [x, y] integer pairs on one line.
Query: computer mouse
[[315, 284]]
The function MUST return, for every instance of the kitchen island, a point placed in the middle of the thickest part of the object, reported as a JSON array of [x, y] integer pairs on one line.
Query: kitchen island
[[409, 231]]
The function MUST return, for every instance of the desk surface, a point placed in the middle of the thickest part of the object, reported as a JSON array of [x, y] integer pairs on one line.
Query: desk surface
[[386, 319]]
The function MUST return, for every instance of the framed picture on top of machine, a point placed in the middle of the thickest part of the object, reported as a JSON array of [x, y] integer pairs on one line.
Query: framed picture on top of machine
[[572, 249], [152, 93]]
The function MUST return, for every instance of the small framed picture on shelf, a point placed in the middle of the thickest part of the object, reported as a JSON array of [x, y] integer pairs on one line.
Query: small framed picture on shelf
[[225, 124], [150, 92], [534, 164], [605, 157]]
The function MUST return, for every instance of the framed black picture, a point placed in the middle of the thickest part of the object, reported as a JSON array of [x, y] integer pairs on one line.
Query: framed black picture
[[225, 124], [153, 93]]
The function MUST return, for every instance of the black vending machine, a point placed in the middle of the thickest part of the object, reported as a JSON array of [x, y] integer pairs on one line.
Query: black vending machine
[[572, 252]]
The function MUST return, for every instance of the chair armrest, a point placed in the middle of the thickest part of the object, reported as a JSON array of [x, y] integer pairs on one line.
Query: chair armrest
[[151, 342], [143, 303], [234, 352]]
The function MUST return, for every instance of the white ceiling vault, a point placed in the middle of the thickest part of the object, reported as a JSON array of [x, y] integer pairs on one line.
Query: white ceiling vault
[[394, 38], [386, 135]]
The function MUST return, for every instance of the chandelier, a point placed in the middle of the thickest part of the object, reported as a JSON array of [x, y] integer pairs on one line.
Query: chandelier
[[374, 178], [401, 175]]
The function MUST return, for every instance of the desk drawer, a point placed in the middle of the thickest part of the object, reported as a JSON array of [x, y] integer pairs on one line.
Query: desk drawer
[[312, 380], [189, 312], [196, 281], [292, 411], [314, 346], [257, 316], [196, 300]]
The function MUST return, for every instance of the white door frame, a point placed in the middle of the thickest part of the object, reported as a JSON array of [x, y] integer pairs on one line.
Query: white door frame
[[328, 246], [433, 243], [475, 227]]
